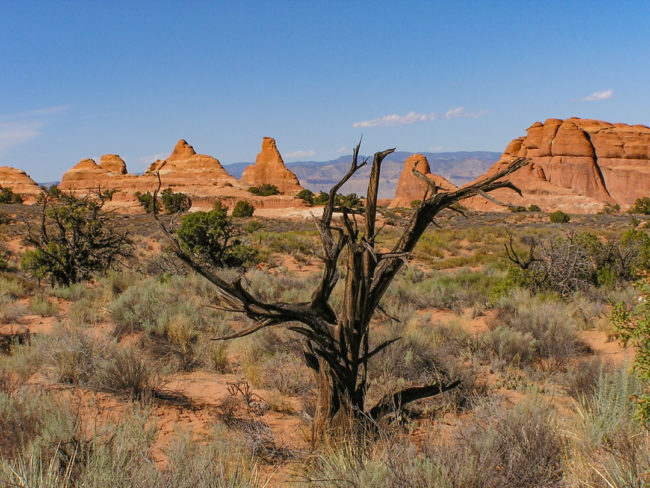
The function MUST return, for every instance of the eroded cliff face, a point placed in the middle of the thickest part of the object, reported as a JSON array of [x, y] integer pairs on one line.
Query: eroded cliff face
[[578, 165], [269, 168], [19, 182], [410, 187]]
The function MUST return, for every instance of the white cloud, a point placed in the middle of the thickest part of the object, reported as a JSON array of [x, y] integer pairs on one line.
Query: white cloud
[[342, 149], [23, 127], [455, 113], [300, 154], [17, 133], [599, 95], [393, 120]]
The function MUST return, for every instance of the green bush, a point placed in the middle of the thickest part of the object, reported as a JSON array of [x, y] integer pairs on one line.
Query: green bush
[[74, 241], [8, 196], [266, 190], [641, 206], [610, 209], [243, 209], [174, 202], [559, 217], [146, 200], [306, 195], [321, 198], [534, 208], [633, 327], [214, 238]]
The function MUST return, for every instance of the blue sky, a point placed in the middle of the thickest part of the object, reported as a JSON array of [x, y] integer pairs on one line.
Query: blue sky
[[81, 79]]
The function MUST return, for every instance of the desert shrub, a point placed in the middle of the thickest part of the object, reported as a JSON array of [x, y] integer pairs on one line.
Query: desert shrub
[[10, 309], [76, 357], [265, 190], [609, 209], [456, 291], [214, 238], [306, 195], [72, 292], [534, 208], [321, 198], [582, 377], [578, 262], [174, 202], [120, 455], [517, 208], [511, 345], [559, 217], [243, 209], [633, 327], [4, 257], [5, 218], [8, 196], [351, 200], [415, 203], [608, 434], [75, 241], [125, 372], [641, 206], [529, 329], [146, 201], [14, 286], [40, 305], [521, 447], [85, 311], [172, 315], [34, 420], [117, 282]]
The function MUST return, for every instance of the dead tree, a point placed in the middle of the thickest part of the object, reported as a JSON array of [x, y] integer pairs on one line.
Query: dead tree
[[337, 345]]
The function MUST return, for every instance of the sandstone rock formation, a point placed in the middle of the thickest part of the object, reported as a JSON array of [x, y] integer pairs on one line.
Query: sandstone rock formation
[[199, 176], [114, 164], [269, 168], [19, 182], [184, 168], [410, 187], [578, 165]]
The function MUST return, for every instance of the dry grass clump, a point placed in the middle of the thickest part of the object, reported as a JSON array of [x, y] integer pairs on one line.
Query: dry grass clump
[[456, 291], [273, 360], [40, 305], [427, 352], [610, 446], [10, 309], [119, 454], [521, 447], [175, 315], [531, 330], [74, 356]]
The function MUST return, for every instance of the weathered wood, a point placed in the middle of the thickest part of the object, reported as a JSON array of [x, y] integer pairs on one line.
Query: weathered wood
[[337, 346]]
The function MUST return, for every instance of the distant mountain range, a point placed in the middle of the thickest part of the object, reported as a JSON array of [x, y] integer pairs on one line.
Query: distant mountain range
[[458, 167]]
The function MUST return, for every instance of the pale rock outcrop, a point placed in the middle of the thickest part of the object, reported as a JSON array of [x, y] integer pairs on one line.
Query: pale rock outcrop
[[577, 165], [19, 182], [269, 168], [410, 187]]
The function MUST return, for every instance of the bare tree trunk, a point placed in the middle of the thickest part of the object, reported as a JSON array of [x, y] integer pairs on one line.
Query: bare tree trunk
[[337, 345]]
